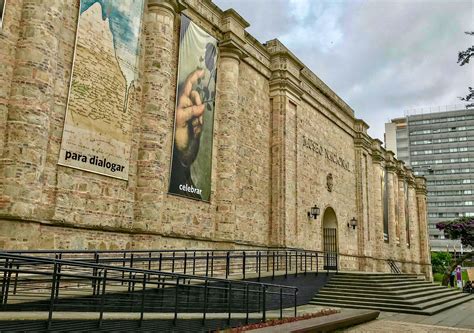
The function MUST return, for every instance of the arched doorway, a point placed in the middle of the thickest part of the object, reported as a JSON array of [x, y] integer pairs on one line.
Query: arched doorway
[[330, 238]]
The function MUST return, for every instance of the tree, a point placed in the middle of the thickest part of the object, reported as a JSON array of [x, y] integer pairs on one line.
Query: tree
[[463, 58], [440, 261], [463, 229]]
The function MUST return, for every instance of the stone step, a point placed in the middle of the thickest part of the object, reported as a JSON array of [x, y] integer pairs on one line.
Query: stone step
[[377, 293], [376, 275], [380, 291], [399, 304], [385, 283], [417, 302], [373, 280], [395, 293], [400, 286], [428, 310], [358, 306], [447, 305]]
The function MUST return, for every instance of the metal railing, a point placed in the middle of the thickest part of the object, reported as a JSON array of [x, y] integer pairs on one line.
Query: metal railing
[[210, 263], [393, 267], [52, 284]]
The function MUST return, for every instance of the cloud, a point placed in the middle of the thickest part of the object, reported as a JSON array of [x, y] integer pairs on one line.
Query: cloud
[[382, 57]]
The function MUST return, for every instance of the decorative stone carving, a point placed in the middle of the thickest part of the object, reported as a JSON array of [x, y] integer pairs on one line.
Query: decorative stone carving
[[329, 182]]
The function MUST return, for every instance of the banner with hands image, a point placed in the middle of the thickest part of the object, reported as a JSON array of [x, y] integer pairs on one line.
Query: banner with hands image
[[191, 165]]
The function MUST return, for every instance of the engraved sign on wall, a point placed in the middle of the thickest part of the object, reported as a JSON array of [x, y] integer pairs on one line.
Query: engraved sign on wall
[[97, 128], [190, 174]]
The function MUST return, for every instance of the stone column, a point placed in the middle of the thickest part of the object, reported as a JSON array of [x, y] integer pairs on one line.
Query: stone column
[[285, 95], [414, 230], [30, 105], [159, 74], [227, 139], [362, 148], [402, 221], [377, 207], [10, 33], [278, 172], [424, 258], [392, 216]]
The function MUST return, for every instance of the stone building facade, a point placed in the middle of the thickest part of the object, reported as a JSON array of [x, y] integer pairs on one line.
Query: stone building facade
[[283, 142]]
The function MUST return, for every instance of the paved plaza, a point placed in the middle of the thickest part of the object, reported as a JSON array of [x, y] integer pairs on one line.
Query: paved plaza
[[457, 319]]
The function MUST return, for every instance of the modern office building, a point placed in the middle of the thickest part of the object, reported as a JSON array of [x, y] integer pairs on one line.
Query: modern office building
[[439, 146]]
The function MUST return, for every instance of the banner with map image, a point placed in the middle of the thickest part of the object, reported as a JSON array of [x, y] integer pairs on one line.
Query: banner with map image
[[2, 11], [97, 128], [190, 173]]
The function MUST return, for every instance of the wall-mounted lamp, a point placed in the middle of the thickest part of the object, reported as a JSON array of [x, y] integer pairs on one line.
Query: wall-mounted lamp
[[314, 212], [352, 223]]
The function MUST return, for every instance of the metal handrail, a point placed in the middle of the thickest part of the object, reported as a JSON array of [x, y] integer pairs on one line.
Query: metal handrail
[[63, 275], [204, 262]]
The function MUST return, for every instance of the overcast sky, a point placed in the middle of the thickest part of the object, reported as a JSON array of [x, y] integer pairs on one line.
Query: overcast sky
[[382, 57]]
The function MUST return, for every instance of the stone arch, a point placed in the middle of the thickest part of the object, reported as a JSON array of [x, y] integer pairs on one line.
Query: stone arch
[[329, 237]]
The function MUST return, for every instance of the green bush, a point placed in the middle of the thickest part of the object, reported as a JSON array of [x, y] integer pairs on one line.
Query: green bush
[[440, 261], [438, 277]]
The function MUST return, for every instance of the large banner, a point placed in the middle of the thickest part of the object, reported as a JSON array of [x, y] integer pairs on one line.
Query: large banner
[[190, 174], [97, 128], [2, 11]]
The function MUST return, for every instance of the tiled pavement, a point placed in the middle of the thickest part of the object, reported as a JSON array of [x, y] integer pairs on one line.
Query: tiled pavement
[[457, 319]]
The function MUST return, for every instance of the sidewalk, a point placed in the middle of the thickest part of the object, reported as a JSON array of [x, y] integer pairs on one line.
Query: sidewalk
[[457, 319]]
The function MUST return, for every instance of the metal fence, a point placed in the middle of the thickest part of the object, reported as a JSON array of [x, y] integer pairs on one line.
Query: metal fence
[[135, 285], [210, 263]]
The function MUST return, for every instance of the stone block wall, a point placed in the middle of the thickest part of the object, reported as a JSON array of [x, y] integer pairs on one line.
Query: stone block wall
[[283, 142]]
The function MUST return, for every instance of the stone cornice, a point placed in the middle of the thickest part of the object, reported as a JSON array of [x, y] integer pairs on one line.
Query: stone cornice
[[377, 151], [174, 6], [401, 170], [231, 14], [420, 183], [319, 85], [361, 138], [276, 48], [285, 70], [390, 161], [283, 84], [232, 46], [411, 180]]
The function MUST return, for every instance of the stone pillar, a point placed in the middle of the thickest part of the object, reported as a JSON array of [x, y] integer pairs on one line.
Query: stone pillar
[[425, 258], [402, 221], [377, 208], [362, 147], [227, 139], [9, 37], [414, 230], [227, 123], [30, 105], [278, 152], [285, 96], [392, 184], [159, 75]]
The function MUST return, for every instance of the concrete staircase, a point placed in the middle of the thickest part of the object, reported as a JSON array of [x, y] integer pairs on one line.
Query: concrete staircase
[[406, 293]]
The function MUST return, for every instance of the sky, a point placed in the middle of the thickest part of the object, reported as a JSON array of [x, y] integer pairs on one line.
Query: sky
[[382, 57]]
